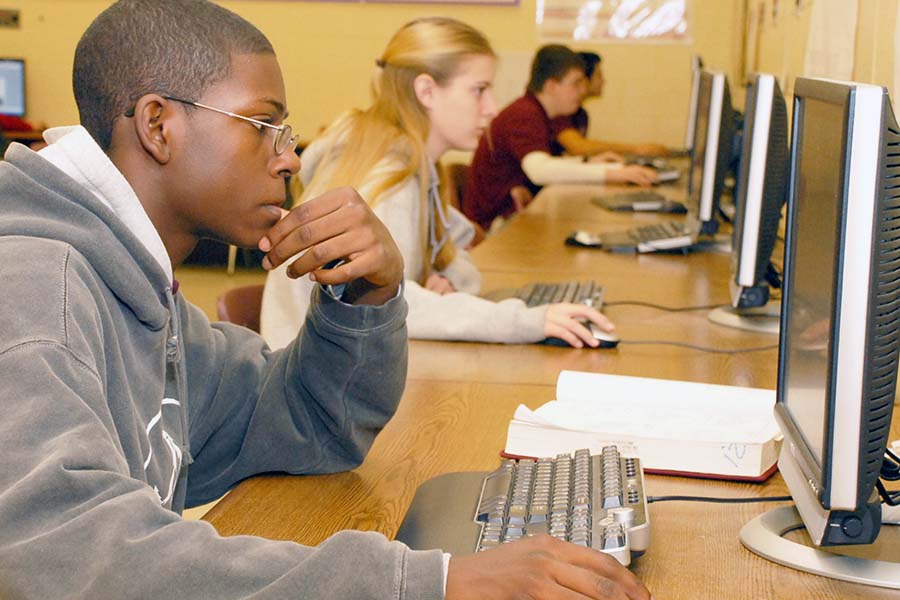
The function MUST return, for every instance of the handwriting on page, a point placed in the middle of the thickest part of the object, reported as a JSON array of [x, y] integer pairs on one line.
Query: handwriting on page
[[734, 453]]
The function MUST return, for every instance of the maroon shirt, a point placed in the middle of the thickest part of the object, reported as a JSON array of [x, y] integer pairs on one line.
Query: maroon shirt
[[520, 128], [577, 121]]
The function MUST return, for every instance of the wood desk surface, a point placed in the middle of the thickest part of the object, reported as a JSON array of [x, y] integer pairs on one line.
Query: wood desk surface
[[24, 136], [695, 552], [530, 248], [459, 399]]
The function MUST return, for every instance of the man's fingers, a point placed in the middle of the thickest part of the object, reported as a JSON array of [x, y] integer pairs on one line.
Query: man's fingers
[[605, 566], [331, 201], [345, 245], [307, 235], [589, 584], [308, 211]]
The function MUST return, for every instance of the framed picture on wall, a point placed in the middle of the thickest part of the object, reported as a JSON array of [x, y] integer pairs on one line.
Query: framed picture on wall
[[605, 21], [445, 2]]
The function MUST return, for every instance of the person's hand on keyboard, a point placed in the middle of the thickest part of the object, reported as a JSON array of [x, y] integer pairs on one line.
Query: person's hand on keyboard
[[541, 568], [440, 284], [567, 322], [651, 150], [632, 174], [607, 157]]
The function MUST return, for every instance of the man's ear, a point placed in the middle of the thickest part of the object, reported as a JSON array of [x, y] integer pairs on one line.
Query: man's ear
[[153, 126], [424, 86], [550, 85]]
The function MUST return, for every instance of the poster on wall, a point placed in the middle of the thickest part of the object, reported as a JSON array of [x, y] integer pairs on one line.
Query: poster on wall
[[614, 20]]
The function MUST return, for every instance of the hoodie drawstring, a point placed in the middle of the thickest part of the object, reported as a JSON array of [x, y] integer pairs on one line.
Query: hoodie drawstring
[[173, 357]]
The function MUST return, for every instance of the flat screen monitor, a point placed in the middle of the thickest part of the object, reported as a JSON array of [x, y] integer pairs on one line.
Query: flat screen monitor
[[840, 325], [696, 67], [713, 149], [760, 193], [12, 87]]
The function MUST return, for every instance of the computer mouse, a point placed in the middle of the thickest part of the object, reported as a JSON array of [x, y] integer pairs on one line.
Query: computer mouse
[[607, 339], [673, 207]]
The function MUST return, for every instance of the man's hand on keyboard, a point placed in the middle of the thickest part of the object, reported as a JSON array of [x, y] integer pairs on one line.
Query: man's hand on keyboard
[[540, 568], [632, 174], [566, 322]]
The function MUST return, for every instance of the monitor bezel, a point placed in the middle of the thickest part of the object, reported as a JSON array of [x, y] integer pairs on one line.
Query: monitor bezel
[[835, 483], [711, 151], [696, 68], [751, 177]]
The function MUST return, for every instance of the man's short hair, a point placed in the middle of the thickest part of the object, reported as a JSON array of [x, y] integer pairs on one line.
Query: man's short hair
[[591, 60], [552, 62], [172, 47]]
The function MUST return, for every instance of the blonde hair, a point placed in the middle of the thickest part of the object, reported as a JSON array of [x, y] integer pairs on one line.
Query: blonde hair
[[396, 125]]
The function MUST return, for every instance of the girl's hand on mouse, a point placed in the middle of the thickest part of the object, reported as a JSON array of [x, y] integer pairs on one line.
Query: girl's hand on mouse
[[566, 322]]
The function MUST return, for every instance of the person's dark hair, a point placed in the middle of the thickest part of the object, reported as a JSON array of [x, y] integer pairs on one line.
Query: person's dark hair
[[552, 62], [591, 60], [172, 47]]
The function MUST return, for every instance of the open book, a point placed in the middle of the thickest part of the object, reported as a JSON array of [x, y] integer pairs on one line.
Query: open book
[[676, 427]]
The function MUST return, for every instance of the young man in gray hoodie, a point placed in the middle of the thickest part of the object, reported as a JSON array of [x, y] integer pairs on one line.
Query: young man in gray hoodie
[[122, 404]]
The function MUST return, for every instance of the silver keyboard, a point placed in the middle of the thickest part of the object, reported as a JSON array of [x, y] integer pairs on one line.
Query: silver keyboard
[[577, 292], [666, 235], [660, 231], [596, 501]]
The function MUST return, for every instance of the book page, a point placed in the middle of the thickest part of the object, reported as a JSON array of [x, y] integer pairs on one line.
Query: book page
[[660, 408]]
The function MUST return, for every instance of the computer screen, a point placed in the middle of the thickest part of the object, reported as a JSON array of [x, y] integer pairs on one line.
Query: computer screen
[[713, 149], [840, 327], [696, 67], [760, 193], [12, 87]]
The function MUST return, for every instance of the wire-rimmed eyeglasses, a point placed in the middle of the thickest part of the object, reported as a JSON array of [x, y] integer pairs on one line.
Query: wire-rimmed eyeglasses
[[284, 140]]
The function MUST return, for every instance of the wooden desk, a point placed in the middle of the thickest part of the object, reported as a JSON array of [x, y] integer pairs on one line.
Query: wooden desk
[[457, 405], [530, 248], [24, 137]]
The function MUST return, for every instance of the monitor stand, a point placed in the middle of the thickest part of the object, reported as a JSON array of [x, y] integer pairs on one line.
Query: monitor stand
[[762, 319], [764, 536]]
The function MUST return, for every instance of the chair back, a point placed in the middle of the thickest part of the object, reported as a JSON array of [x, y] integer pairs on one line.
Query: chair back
[[241, 306]]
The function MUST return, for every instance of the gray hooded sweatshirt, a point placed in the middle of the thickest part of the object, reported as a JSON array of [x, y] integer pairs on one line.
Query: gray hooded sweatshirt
[[121, 404]]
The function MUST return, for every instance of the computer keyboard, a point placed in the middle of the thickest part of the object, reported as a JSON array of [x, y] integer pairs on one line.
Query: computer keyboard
[[577, 292], [667, 235], [641, 201], [595, 501]]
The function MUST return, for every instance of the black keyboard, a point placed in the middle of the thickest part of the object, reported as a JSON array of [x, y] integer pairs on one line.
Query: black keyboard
[[576, 292], [596, 501]]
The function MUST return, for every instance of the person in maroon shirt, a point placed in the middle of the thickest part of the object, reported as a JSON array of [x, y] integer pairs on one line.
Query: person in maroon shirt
[[513, 159], [570, 131]]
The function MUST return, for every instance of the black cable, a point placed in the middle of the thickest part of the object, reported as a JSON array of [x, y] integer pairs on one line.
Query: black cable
[[660, 306], [651, 499], [699, 348], [890, 466], [889, 497], [893, 456]]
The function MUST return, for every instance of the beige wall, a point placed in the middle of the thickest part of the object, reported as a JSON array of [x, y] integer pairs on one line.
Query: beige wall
[[782, 40], [327, 52]]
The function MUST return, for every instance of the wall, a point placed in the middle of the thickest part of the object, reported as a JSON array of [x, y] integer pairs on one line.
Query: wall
[[327, 51], [783, 36]]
